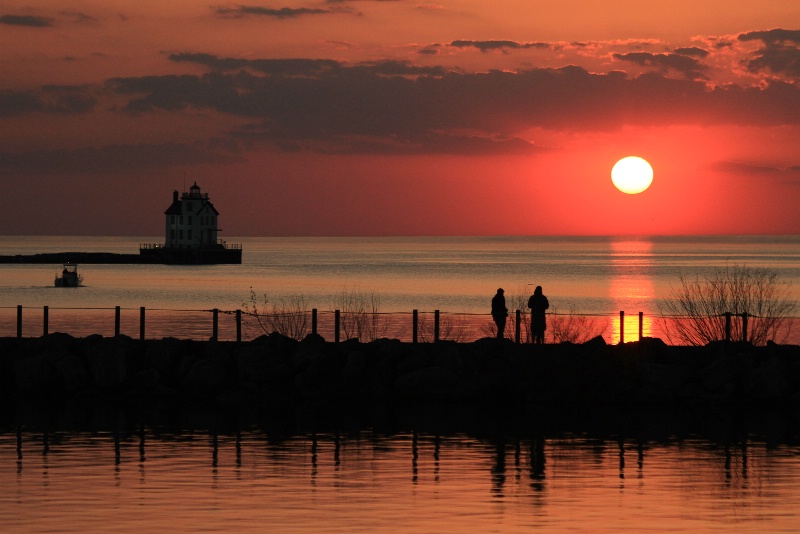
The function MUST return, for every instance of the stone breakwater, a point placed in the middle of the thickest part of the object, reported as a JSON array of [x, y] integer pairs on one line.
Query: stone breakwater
[[488, 370]]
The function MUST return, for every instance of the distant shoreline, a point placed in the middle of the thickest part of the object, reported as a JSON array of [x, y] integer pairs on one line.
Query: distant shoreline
[[79, 257]]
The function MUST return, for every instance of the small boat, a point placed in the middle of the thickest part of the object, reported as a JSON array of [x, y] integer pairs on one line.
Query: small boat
[[69, 276]]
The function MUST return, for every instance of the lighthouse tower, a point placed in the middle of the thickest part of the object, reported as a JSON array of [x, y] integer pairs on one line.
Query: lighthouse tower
[[191, 220]]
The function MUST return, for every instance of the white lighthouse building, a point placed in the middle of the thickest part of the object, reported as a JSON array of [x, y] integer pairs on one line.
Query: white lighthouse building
[[191, 220], [191, 233]]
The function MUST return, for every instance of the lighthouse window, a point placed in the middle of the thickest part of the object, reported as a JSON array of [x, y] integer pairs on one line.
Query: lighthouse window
[[180, 234], [190, 219], [190, 234], [180, 220], [188, 206]]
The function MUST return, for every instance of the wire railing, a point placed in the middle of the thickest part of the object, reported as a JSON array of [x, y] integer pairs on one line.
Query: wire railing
[[338, 325]]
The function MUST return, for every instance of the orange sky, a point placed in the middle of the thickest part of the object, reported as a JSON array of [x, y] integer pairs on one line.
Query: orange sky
[[396, 117]]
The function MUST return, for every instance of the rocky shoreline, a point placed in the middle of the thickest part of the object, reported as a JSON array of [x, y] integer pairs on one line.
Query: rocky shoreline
[[277, 368]]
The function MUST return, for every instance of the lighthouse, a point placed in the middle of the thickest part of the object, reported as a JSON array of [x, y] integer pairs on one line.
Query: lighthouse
[[190, 235], [191, 220]]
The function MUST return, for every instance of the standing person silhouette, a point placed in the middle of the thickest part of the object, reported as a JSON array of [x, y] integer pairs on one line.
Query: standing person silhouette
[[499, 312], [538, 304]]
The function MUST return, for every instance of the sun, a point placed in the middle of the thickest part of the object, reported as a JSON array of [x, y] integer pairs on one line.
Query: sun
[[632, 175]]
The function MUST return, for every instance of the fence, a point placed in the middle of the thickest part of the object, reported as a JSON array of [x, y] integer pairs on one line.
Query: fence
[[338, 325]]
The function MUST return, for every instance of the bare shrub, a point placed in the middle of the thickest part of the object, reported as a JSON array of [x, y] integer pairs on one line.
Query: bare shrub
[[697, 307], [573, 327], [451, 327], [360, 315], [288, 316]]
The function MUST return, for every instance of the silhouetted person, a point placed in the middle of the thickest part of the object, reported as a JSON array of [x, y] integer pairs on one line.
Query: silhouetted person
[[538, 304], [499, 312]]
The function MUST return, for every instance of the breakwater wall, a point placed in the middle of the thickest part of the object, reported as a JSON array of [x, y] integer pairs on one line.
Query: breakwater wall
[[275, 367], [110, 258]]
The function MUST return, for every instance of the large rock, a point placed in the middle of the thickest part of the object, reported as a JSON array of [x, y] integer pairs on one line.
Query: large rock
[[206, 377], [429, 383], [768, 380], [107, 362], [354, 370]]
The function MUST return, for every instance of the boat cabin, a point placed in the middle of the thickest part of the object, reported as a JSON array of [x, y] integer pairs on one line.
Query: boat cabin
[[69, 276]]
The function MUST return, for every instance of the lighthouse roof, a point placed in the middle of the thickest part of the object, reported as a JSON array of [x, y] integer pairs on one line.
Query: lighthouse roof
[[210, 205], [175, 207]]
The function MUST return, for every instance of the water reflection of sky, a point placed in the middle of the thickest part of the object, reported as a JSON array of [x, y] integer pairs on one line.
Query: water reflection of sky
[[134, 478], [600, 276], [631, 287]]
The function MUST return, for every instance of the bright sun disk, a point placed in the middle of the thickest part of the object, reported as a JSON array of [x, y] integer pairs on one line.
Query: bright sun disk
[[632, 175]]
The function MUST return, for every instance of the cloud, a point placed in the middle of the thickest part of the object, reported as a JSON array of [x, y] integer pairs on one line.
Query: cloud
[[780, 54], [774, 37], [788, 175], [735, 167], [49, 99], [18, 103], [79, 17], [485, 46], [26, 20], [112, 159], [308, 67], [328, 105], [688, 66], [258, 11], [284, 67], [394, 106], [692, 51]]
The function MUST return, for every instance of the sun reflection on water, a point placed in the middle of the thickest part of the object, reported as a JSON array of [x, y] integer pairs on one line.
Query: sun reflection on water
[[631, 288]]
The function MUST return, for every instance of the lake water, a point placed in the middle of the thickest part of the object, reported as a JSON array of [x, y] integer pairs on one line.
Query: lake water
[[92, 465], [596, 276], [426, 469]]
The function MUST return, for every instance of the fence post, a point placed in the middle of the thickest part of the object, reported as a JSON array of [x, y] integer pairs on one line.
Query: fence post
[[336, 322], [141, 323], [238, 326], [621, 327], [641, 325], [414, 325], [744, 326], [214, 324], [727, 326], [19, 320], [313, 320], [517, 332], [116, 321], [435, 326], [45, 319]]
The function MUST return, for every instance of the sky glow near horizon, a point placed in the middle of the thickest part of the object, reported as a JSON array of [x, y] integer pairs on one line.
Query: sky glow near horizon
[[395, 117]]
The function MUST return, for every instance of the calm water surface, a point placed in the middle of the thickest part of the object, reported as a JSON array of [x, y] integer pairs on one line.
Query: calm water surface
[[448, 471], [600, 276]]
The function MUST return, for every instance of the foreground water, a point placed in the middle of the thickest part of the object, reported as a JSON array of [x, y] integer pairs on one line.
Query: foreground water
[[419, 469], [597, 276]]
